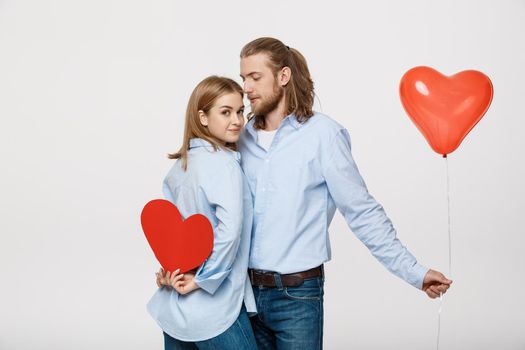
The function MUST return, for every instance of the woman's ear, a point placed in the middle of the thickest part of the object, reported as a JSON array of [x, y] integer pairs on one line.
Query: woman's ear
[[284, 76], [203, 118]]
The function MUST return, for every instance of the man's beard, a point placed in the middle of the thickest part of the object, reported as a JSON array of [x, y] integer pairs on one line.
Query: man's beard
[[270, 104]]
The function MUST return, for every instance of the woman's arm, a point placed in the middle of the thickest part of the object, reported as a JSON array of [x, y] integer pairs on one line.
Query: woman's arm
[[225, 195]]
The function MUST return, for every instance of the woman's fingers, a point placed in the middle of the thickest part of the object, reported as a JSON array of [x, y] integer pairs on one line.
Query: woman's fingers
[[158, 279], [180, 287], [174, 281], [174, 273], [163, 277], [174, 278], [166, 278]]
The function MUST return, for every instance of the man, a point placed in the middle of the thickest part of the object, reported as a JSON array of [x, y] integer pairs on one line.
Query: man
[[300, 169]]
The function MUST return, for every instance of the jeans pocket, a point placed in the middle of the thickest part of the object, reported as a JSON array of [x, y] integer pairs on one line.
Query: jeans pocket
[[310, 290]]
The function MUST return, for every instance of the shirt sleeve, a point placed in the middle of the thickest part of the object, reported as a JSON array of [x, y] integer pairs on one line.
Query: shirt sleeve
[[364, 215], [225, 196]]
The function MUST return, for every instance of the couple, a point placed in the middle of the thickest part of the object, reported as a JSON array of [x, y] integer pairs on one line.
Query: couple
[[270, 193]]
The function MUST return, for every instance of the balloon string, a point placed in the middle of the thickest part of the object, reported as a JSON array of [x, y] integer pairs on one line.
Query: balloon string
[[439, 318], [449, 231], [449, 255]]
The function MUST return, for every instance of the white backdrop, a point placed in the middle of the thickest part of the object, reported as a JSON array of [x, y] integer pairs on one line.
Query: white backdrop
[[92, 97]]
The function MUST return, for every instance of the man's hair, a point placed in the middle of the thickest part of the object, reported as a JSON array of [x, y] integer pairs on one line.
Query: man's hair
[[299, 92]]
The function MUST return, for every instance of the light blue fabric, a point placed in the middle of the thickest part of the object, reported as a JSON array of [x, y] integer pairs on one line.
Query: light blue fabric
[[215, 186], [297, 185]]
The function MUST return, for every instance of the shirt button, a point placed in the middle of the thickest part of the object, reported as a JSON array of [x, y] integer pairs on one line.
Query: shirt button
[[267, 160], [263, 189]]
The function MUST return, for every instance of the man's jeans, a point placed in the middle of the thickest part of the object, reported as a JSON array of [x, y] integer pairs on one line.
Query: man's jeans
[[289, 317], [238, 336]]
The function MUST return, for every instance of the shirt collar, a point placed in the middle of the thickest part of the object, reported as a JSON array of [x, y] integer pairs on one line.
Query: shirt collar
[[290, 119], [197, 142]]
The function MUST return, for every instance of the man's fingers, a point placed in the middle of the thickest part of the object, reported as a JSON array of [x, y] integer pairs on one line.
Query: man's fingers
[[445, 280], [431, 293], [442, 279], [443, 287], [434, 289]]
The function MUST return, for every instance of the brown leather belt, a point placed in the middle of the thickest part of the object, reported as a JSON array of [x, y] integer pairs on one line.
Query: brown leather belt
[[268, 278]]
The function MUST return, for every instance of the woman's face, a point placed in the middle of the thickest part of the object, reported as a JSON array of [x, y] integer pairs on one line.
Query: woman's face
[[225, 119]]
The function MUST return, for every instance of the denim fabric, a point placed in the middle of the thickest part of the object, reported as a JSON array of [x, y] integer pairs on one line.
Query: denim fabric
[[289, 318], [238, 336]]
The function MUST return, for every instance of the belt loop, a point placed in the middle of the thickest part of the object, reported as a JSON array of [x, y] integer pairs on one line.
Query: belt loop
[[322, 272], [250, 272], [278, 282]]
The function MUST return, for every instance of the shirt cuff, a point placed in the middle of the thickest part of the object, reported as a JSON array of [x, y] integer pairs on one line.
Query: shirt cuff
[[416, 275], [211, 283]]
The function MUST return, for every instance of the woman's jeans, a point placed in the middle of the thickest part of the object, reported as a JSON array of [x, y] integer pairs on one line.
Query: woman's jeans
[[238, 336]]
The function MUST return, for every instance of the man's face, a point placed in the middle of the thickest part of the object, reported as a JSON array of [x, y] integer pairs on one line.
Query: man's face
[[260, 84]]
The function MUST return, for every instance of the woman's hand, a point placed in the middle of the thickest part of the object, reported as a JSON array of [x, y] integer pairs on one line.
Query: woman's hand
[[163, 277], [184, 283]]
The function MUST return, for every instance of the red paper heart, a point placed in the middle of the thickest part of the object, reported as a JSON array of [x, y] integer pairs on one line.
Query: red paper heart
[[444, 108], [176, 243]]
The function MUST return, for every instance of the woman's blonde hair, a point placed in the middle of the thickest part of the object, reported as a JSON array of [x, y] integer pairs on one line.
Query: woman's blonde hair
[[202, 99]]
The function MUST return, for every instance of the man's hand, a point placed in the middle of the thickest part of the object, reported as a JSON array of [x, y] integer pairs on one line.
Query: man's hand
[[435, 284]]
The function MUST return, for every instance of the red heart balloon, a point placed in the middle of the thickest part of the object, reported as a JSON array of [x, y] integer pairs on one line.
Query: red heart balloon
[[176, 243], [445, 108]]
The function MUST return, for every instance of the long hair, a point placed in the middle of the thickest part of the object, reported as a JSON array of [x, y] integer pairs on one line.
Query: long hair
[[202, 99], [299, 92]]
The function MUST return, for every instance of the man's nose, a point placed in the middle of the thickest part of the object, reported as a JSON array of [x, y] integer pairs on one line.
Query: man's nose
[[247, 87]]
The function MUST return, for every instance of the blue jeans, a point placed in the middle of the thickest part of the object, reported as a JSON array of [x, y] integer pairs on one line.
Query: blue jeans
[[289, 318], [238, 336]]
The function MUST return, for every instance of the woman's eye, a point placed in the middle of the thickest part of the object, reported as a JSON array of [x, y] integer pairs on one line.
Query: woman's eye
[[241, 112], [226, 113]]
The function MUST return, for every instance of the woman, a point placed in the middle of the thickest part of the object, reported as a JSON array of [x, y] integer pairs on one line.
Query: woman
[[209, 308]]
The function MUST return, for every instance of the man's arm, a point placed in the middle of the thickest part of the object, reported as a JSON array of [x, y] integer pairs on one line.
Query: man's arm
[[368, 220]]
